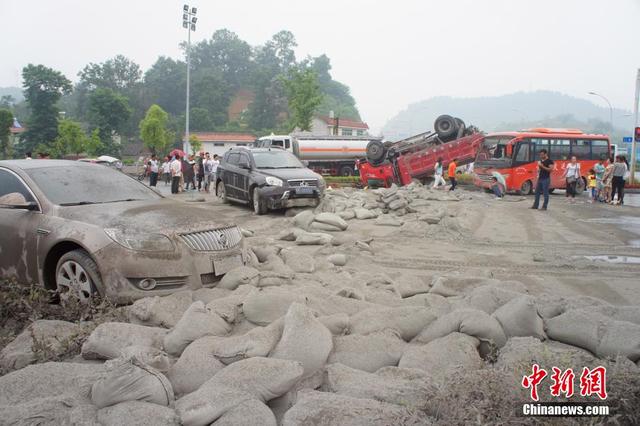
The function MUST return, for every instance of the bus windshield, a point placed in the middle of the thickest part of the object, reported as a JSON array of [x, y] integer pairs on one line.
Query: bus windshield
[[494, 151]]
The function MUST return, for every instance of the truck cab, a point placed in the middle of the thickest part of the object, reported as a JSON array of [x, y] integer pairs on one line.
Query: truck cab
[[272, 141]]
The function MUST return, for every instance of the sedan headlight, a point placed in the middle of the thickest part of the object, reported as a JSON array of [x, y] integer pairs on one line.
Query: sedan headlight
[[140, 242], [273, 181]]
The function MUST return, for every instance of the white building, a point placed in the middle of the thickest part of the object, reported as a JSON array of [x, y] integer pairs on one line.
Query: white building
[[327, 126], [218, 142]]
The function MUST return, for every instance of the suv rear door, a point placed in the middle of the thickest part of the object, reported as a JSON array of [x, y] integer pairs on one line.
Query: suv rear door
[[242, 177], [229, 171]]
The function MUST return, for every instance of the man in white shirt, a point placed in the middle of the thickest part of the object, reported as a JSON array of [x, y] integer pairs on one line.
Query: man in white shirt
[[176, 173], [166, 171], [153, 169]]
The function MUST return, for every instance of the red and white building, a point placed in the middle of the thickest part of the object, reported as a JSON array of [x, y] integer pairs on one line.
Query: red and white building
[[219, 142]]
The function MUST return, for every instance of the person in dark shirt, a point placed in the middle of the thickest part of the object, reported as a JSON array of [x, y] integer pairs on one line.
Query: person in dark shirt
[[545, 165]]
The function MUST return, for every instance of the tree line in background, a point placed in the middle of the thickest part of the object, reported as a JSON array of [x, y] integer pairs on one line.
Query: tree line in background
[[115, 103]]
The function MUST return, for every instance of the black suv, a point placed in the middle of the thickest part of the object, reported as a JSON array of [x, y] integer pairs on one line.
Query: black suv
[[267, 178]]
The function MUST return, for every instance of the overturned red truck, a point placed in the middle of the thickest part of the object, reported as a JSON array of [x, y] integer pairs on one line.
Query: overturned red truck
[[415, 157]]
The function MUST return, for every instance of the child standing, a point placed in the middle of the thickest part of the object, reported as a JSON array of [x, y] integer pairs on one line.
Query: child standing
[[592, 185]]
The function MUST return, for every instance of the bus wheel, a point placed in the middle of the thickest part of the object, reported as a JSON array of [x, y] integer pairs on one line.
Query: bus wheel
[[526, 188], [346, 171], [551, 190]]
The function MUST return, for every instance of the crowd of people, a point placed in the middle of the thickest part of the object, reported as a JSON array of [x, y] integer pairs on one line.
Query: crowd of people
[[184, 173]]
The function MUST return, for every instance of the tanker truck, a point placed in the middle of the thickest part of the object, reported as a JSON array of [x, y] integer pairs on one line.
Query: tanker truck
[[327, 155]]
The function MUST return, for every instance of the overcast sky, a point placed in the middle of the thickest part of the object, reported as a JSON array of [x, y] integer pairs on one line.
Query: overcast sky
[[391, 53]]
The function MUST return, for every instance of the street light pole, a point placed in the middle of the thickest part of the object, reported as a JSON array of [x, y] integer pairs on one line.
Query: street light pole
[[610, 108], [189, 22], [632, 176]]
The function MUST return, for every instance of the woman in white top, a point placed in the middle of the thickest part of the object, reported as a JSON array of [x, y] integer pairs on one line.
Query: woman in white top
[[438, 180], [572, 174]]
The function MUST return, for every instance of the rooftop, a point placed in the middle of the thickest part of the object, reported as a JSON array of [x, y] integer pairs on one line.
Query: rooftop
[[224, 137], [342, 122]]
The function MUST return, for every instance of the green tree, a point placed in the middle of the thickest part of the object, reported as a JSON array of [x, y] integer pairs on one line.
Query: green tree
[[304, 96], [154, 132], [118, 74], [43, 88], [200, 119], [6, 121], [211, 92], [71, 139], [94, 144], [195, 144], [108, 112], [283, 44], [165, 83], [7, 101]]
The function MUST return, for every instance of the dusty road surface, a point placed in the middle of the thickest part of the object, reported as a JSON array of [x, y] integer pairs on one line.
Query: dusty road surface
[[399, 306]]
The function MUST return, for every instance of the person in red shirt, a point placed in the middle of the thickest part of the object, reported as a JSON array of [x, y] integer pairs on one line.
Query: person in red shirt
[[452, 174]]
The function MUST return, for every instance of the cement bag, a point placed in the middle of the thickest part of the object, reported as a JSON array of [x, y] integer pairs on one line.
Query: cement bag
[[110, 338], [364, 214], [153, 357], [297, 261], [329, 409], [411, 285], [333, 220], [160, 311], [408, 321], [248, 413], [519, 318], [303, 219], [304, 339], [131, 380], [259, 341], [265, 305], [313, 239], [347, 214], [414, 392], [578, 328], [52, 410], [442, 356], [137, 413], [488, 298], [206, 295], [278, 277], [468, 321], [195, 366], [242, 275], [264, 378], [621, 338], [228, 307], [368, 353], [550, 305], [198, 321], [206, 405], [619, 313], [337, 324], [323, 227]]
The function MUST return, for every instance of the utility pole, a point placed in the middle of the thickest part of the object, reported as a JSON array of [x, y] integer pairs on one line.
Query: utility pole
[[189, 22], [632, 175], [610, 108]]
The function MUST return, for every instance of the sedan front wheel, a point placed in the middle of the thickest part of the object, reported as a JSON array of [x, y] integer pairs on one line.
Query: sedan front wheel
[[77, 277]]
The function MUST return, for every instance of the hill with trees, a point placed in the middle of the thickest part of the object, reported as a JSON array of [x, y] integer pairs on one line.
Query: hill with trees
[[512, 112], [267, 85]]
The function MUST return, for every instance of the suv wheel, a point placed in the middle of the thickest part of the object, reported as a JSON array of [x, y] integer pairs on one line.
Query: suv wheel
[[221, 191], [259, 205]]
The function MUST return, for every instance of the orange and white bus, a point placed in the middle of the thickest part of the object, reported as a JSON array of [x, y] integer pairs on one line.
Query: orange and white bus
[[515, 155]]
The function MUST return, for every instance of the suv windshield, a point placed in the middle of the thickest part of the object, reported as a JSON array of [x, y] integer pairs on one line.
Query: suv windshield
[[88, 184], [494, 150], [276, 160]]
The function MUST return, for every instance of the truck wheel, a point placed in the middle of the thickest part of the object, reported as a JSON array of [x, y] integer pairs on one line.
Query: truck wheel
[[446, 127], [221, 192], [526, 187], [346, 171], [259, 205], [375, 152]]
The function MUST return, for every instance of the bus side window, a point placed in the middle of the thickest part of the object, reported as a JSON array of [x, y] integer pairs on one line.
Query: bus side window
[[599, 149], [559, 149], [581, 148]]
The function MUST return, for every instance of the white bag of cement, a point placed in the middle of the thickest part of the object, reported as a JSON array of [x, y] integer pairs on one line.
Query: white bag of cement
[[228, 307], [408, 321], [206, 405], [488, 298], [242, 275], [248, 413], [265, 305], [387, 385], [338, 259], [196, 322], [303, 219], [468, 321], [347, 214], [109, 339], [443, 355], [258, 342], [410, 285], [279, 277], [520, 318], [364, 214], [195, 366], [263, 253], [153, 357], [304, 339], [137, 413], [313, 239], [206, 295], [131, 380], [19, 352], [329, 409], [368, 353], [337, 324], [323, 227], [51, 410], [160, 311], [299, 262], [332, 220]]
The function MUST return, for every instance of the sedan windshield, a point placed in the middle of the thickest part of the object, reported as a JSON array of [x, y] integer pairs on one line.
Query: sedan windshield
[[276, 160], [88, 184]]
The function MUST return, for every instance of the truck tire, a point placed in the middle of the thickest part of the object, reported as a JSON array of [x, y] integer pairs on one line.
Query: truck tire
[[346, 170], [446, 127], [375, 152]]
